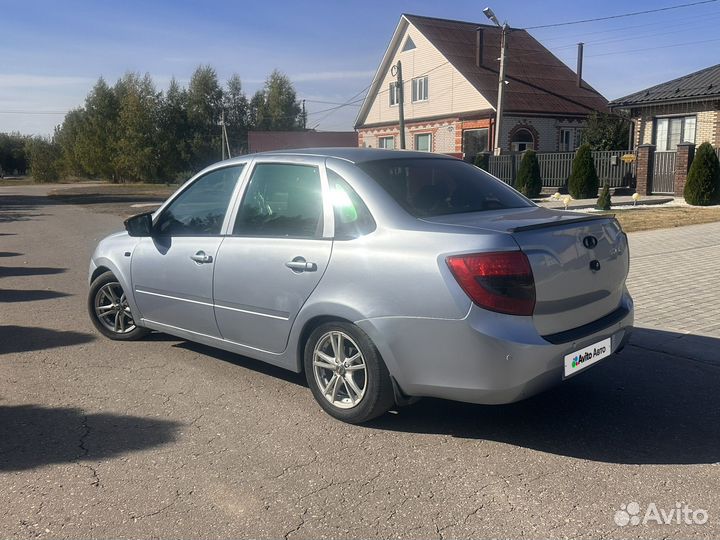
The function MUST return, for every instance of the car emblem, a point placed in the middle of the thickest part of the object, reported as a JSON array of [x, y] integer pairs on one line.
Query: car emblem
[[589, 242]]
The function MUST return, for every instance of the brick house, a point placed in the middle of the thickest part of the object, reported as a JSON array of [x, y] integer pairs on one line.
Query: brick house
[[681, 110], [450, 75]]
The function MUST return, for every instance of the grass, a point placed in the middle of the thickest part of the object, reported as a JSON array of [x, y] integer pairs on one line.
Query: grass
[[645, 219]]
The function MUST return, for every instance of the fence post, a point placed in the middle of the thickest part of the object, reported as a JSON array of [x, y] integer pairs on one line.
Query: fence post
[[644, 168], [683, 159]]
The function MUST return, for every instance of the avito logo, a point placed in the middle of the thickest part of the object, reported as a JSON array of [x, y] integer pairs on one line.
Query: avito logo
[[578, 359]]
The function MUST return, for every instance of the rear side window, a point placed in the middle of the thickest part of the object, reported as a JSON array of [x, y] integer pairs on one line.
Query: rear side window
[[428, 187], [282, 200], [352, 218]]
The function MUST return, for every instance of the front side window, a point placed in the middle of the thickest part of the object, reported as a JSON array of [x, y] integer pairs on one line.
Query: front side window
[[433, 187], [522, 140], [669, 132], [282, 200], [200, 209], [386, 142], [423, 142], [352, 217], [420, 89], [394, 93]]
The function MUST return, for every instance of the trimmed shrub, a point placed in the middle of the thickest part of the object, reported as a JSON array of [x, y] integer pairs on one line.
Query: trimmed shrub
[[482, 160], [703, 181], [583, 183], [528, 180], [604, 202]]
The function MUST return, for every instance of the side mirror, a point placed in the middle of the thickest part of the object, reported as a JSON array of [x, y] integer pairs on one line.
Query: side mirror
[[140, 225]]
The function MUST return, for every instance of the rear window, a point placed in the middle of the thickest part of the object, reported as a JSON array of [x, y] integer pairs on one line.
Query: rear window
[[434, 187]]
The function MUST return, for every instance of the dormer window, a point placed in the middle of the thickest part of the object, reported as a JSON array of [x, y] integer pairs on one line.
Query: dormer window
[[394, 92]]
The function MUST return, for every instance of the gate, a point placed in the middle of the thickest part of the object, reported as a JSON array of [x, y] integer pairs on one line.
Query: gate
[[663, 179]]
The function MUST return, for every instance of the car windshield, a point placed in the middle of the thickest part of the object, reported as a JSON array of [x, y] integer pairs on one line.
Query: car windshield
[[428, 187]]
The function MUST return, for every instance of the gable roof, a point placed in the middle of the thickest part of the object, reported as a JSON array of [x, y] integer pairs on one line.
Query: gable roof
[[698, 86], [539, 82]]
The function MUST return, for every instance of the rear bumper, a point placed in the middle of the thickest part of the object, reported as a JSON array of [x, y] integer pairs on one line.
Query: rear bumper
[[485, 358]]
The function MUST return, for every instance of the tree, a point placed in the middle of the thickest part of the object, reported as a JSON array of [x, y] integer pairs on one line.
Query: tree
[[235, 105], [44, 159], [204, 103], [604, 202], [703, 181], [67, 137], [136, 156], [256, 112], [529, 182], [583, 182], [96, 141], [605, 131], [13, 155], [174, 134], [281, 110]]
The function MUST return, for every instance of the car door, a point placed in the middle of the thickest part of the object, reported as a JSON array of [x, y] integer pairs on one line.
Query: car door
[[172, 271], [277, 251]]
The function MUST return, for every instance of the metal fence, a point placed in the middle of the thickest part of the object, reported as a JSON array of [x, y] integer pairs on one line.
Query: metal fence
[[663, 179], [555, 167]]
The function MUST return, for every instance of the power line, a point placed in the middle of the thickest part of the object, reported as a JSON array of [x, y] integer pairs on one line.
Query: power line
[[620, 16], [656, 47]]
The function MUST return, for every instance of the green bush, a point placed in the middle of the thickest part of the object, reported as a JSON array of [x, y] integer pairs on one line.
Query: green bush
[[703, 182], [482, 160], [528, 180], [583, 183], [604, 202], [44, 159]]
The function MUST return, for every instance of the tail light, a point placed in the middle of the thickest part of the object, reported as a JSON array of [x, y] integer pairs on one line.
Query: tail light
[[500, 281]]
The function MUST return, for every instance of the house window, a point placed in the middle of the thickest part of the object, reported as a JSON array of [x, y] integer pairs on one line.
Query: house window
[[423, 142], [386, 142], [474, 141], [578, 138], [669, 132], [394, 91], [409, 45], [522, 140], [566, 140], [420, 89]]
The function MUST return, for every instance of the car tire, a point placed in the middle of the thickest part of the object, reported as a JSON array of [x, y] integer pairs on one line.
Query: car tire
[[353, 386], [109, 310]]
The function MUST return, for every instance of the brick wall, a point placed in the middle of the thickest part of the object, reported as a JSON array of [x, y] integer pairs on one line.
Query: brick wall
[[706, 129], [442, 131]]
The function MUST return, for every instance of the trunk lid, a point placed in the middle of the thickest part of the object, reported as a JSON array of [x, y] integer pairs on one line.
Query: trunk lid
[[579, 261]]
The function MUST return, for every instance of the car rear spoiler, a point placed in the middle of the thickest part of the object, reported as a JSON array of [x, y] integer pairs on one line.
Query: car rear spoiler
[[547, 224]]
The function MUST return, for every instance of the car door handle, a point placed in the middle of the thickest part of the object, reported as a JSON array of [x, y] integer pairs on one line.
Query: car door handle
[[299, 264], [201, 258]]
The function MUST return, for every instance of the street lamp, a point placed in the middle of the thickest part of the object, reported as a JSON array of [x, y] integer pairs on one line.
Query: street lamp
[[501, 78]]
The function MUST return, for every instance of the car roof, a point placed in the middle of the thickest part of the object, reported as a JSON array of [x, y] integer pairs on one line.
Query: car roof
[[353, 155]]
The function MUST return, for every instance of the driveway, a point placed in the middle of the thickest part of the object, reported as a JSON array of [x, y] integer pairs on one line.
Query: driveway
[[166, 438]]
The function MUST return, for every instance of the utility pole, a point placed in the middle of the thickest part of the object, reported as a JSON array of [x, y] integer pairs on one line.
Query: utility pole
[[222, 134], [224, 141], [501, 89], [504, 31], [397, 72], [304, 116]]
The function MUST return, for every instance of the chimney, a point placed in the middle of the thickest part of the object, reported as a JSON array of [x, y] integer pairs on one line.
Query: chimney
[[479, 46], [579, 64]]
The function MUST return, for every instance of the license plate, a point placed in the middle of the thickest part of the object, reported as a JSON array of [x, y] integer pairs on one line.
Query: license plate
[[579, 360]]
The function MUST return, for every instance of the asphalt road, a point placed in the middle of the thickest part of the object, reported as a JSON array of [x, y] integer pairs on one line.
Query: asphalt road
[[165, 438]]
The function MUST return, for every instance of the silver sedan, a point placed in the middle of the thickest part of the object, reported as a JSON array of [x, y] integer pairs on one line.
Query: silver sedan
[[384, 276]]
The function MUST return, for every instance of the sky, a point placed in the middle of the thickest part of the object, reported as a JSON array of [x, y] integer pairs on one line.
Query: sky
[[51, 53]]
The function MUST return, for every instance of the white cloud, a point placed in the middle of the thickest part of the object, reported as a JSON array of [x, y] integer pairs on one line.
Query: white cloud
[[19, 80], [331, 75]]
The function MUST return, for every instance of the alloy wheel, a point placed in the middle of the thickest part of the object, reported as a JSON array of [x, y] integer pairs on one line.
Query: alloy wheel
[[112, 309], [340, 369]]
